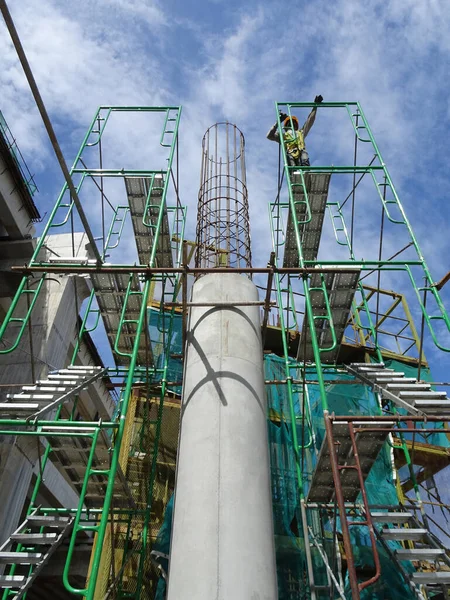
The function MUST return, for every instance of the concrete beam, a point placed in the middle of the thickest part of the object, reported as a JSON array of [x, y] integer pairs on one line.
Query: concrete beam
[[13, 213]]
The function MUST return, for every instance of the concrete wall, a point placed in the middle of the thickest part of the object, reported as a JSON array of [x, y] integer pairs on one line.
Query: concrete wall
[[53, 325], [222, 541]]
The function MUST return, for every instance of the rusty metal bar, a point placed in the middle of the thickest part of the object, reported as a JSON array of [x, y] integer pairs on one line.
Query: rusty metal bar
[[342, 510], [267, 302], [382, 419], [422, 331], [356, 506], [267, 382], [184, 292], [368, 522], [145, 269], [402, 430], [219, 304]]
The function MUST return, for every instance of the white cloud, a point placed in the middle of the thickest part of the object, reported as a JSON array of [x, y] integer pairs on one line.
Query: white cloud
[[391, 56], [147, 11]]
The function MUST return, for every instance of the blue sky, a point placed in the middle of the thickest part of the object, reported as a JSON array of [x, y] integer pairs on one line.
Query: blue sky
[[225, 60], [231, 61]]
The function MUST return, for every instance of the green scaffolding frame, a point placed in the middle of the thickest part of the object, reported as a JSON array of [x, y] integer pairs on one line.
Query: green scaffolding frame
[[355, 113], [114, 428], [286, 298]]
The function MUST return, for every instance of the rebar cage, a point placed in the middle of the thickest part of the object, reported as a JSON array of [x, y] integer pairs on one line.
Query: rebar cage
[[223, 227]]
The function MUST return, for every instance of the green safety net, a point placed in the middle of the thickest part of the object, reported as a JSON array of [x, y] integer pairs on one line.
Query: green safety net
[[343, 399], [166, 336], [355, 399], [161, 549]]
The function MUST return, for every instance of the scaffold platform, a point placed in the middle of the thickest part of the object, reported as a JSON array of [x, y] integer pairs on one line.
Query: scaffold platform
[[369, 445], [110, 291], [310, 229], [340, 290], [144, 216]]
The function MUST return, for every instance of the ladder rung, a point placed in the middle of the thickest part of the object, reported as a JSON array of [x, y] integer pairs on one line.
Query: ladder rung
[[12, 581], [403, 533], [419, 553], [390, 517], [44, 388], [434, 406], [58, 429], [83, 368], [68, 382], [388, 379], [34, 538], [72, 376], [20, 558], [369, 369], [48, 521], [73, 372], [423, 395], [430, 577], [372, 373], [399, 387], [369, 365], [46, 397], [11, 407]]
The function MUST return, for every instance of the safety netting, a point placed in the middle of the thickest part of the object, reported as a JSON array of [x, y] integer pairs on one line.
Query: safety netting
[[291, 474], [293, 469], [166, 336]]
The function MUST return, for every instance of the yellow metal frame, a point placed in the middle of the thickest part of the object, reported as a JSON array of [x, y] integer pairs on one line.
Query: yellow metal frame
[[387, 318]]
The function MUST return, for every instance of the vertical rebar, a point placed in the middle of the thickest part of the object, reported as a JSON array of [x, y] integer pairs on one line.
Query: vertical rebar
[[353, 579], [223, 230], [422, 330]]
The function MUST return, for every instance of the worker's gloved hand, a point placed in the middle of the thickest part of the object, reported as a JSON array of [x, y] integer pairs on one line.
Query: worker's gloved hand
[[283, 116], [318, 99]]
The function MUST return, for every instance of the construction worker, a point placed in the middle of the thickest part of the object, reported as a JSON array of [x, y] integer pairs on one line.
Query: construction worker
[[294, 137]]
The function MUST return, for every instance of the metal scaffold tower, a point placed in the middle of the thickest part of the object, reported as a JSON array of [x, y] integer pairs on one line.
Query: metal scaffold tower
[[351, 399], [121, 465], [336, 392]]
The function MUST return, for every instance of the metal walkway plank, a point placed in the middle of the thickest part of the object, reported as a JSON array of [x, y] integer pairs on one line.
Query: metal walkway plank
[[110, 290], [341, 288], [317, 185], [137, 191], [404, 533], [369, 445]]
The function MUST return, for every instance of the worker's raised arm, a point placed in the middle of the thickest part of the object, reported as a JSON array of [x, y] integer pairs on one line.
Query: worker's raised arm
[[311, 117], [273, 134]]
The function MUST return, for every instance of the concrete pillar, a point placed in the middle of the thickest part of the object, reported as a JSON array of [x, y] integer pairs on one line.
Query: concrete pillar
[[222, 540]]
